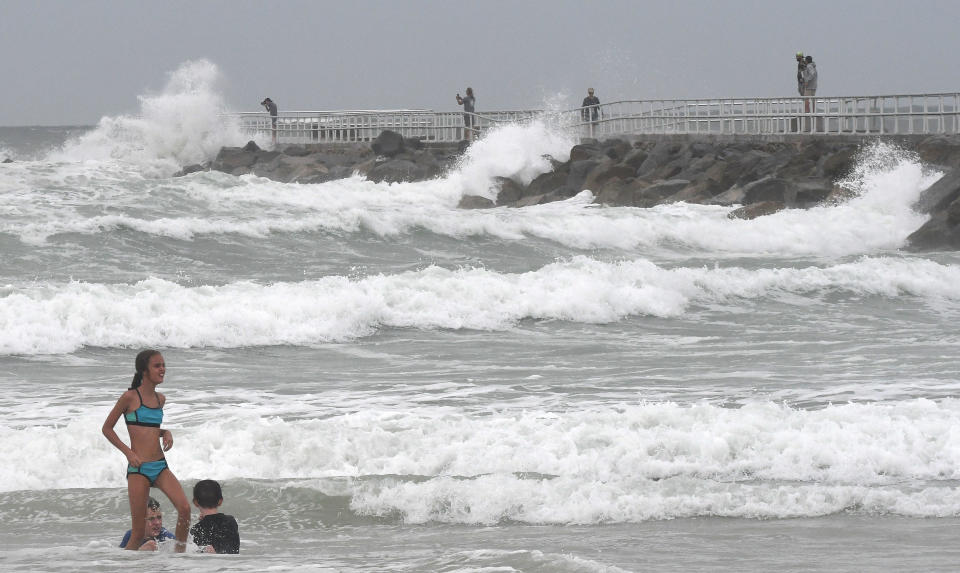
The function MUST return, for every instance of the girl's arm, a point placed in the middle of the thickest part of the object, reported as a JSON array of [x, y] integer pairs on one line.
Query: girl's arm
[[165, 435], [118, 409]]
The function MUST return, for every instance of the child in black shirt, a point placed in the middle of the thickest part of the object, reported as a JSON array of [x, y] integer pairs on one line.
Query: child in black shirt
[[215, 532]]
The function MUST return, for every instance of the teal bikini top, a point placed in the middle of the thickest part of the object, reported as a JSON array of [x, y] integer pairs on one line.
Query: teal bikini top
[[144, 415]]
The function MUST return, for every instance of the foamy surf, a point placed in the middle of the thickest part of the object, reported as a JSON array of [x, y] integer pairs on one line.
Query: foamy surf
[[183, 124], [62, 318]]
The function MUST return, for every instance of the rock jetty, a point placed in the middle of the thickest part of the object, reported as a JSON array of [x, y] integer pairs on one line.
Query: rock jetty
[[759, 175]]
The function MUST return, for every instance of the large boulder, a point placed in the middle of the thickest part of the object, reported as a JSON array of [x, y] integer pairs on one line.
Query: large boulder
[[194, 168], [941, 150], [296, 151], [941, 194], [942, 231], [811, 192], [604, 172], [619, 192], [578, 173], [658, 192], [388, 143], [234, 159], [549, 182], [770, 189], [836, 165], [585, 151], [395, 171], [616, 149], [659, 156], [732, 196], [474, 202], [635, 158], [509, 191], [530, 200], [755, 210]]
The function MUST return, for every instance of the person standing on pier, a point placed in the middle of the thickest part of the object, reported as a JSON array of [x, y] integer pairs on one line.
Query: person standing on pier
[[469, 119], [801, 64], [809, 83], [809, 77], [591, 109], [272, 109]]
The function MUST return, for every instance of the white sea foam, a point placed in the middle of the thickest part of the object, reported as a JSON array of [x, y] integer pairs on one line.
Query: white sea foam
[[181, 125], [517, 151], [887, 181], [631, 462], [60, 318]]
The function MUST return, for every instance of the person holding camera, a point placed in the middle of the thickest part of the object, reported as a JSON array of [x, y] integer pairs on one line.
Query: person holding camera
[[469, 118], [272, 110]]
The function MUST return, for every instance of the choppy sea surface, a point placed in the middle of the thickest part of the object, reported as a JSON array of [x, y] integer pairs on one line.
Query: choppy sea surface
[[384, 382]]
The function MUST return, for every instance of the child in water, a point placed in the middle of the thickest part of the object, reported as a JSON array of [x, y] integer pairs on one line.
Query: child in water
[[215, 532]]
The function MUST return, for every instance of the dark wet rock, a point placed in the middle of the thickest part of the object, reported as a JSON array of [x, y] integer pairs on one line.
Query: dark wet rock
[[296, 151], [658, 192], [755, 210], [770, 189], [936, 234], [942, 193], [509, 191], [635, 158], [940, 150], [235, 160], [578, 173], [251, 146], [616, 149], [530, 200], [474, 202], [839, 195], [660, 155], [396, 171], [761, 174], [585, 151], [194, 168], [732, 196], [548, 182], [604, 172], [694, 193], [388, 143], [7, 160], [942, 201], [836, 165], [812, 192]]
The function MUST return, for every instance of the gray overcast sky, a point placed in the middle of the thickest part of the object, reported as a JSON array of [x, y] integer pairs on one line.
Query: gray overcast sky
[[72, 62]]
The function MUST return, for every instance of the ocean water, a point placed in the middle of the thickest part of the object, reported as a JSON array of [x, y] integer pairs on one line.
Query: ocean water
[[384, 382]]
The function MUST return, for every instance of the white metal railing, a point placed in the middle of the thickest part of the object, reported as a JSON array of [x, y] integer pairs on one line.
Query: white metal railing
[[855, 115], [365, 126]]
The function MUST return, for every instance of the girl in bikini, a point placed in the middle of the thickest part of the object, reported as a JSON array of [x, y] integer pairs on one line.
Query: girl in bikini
[[142, 409]]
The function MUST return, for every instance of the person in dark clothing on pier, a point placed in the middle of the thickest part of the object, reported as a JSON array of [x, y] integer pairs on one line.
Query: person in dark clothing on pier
[[801, 64], [469, 120], [591, 107], [272, 109]]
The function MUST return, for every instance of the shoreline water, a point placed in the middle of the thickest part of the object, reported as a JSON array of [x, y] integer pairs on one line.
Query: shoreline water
[[384, 381]]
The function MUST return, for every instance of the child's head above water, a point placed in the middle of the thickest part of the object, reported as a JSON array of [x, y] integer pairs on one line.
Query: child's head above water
[[207, 494]]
